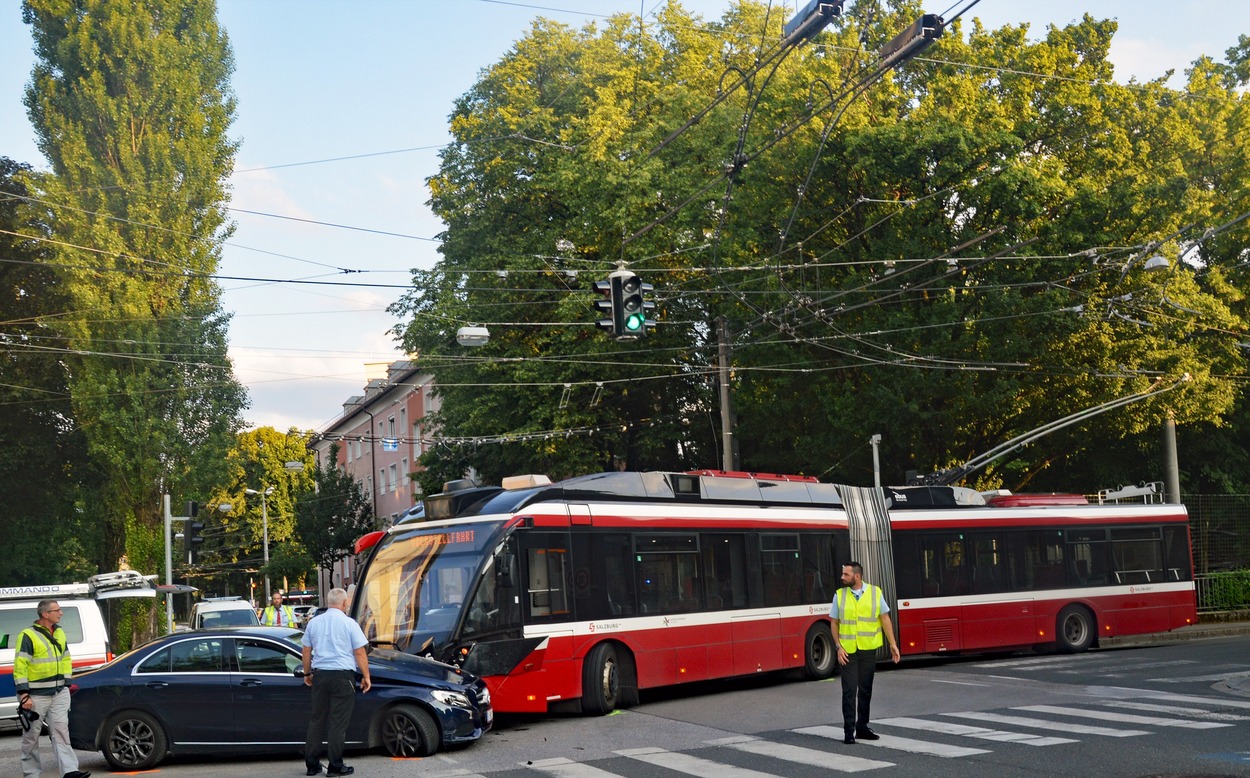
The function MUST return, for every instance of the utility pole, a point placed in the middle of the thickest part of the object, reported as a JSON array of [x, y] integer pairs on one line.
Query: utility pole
[[875, 440], [729, 460], [1171, 464]]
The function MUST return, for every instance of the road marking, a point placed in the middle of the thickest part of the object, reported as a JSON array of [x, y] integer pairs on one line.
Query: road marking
[[1196, 713], [981, 733], [897, 743], [1219, 702], [844, 763], [957, 683], [1119, 668], [690, 765], [1049, 725], [1043, 661], [561, 767], [1128, 718], [1196, 678]]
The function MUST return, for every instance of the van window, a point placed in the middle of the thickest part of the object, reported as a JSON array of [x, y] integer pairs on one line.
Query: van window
[[14, 620]]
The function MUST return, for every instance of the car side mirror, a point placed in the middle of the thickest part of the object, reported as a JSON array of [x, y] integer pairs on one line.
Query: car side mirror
[[505, 575], [298, 672]]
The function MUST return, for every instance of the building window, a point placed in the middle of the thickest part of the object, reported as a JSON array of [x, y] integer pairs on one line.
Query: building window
[[417, 449], [390, 427], [405, 472], [394, 482], [381, 480], [369, 485]]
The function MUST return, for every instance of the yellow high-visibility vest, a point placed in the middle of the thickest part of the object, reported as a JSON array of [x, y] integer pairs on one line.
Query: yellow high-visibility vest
[[41, 662], [859, 620], [270, 616]]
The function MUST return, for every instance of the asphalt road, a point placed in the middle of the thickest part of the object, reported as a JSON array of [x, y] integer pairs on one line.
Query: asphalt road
[[1167, 708]]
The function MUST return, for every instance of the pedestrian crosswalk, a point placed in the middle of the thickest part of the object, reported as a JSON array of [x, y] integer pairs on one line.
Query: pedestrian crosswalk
[[945, 735]]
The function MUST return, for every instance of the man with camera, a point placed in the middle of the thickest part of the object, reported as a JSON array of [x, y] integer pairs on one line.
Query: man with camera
[[41, 672]]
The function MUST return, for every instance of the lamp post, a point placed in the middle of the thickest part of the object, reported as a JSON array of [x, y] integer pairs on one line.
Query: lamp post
[[264, 523]]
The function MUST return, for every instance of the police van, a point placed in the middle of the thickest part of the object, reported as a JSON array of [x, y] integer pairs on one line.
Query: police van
[[80, 618]]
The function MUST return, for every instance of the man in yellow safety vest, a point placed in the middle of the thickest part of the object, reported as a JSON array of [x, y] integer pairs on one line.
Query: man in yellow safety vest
[[861, 618], [41, 671], [277, 614]]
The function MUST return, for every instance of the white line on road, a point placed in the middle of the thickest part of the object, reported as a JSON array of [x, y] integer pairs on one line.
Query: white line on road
[[1196, 713], [843, 763], [1128, 718], [1050, 726], [897, 743], [561, 767], [981, 733]]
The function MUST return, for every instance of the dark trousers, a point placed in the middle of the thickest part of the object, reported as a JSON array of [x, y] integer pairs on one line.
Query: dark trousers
[[333, 698], [857, 675]]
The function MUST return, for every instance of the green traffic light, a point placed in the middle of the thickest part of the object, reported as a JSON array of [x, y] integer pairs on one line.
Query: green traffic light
[[635, 322]]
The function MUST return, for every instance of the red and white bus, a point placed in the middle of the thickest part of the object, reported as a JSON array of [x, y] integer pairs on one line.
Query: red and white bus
[[587, 590]]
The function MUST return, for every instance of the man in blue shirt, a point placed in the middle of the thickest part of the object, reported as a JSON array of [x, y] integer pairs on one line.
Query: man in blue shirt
[[334, 646]]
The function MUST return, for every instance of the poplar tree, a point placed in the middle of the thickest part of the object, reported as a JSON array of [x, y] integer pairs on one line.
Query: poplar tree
[[131, 105]]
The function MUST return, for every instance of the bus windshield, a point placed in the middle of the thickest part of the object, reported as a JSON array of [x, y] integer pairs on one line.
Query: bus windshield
[[417, 583]]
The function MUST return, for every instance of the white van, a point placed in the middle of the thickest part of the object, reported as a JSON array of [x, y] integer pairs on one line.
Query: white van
[[218, 612], [80, 618]]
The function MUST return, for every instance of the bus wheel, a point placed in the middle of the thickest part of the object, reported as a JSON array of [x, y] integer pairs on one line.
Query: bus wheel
[[821, 656], [601, 680], [1074, 630]]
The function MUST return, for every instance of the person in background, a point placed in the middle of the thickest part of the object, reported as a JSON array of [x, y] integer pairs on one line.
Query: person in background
[[861, 618], [278, 615], [41, 672], [334, 647]]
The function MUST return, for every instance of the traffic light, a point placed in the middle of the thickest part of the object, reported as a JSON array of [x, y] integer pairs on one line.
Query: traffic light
[[624, 297], [191, 535]]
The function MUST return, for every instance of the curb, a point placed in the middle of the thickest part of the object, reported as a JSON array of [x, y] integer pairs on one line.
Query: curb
[[1195, 632]]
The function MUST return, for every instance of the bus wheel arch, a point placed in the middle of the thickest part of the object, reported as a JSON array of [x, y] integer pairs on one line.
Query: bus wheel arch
[[609, 679], [819, 652], [1076, 629]]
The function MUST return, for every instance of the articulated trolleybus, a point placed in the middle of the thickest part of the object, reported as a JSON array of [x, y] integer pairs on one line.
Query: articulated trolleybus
[[584, 591]]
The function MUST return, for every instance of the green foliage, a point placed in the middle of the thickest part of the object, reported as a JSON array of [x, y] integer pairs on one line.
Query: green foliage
[[1227, 591], [964, 263], [333, 515], [131, 105]]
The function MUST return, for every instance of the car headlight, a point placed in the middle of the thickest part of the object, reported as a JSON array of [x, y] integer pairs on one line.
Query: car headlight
[[484, 696], [454, 699]]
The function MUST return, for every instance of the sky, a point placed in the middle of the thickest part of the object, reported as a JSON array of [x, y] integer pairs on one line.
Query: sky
[[342, 107]]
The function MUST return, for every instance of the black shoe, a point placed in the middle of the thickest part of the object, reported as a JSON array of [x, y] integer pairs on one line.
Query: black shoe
[[867, 734], [314, 770], [849, 740], [78, 774], [343, 770]]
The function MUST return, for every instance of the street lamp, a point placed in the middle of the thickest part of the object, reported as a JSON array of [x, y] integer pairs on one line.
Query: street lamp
[[264, 523]]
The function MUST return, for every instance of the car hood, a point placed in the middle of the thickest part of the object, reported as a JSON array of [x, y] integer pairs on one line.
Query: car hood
[[400, 666]]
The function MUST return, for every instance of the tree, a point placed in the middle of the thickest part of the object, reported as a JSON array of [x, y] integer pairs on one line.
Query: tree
[[42, 465], [950, 256], [131, 105], [334, 515]]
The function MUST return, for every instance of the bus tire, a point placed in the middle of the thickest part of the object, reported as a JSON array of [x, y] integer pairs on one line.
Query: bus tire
[[820, 655], [601, 680], [1074, 630]]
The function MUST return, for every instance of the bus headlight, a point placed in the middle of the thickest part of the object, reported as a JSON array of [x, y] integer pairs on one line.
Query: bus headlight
[[454, 699]]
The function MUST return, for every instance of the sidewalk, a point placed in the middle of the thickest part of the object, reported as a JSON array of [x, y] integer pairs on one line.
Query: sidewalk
[[1213, 626]]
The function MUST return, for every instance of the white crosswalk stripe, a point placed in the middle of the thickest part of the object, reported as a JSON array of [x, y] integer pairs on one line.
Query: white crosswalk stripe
[[965, 730], [567, 768], [690, 765], [897, 743], [1195, 713], [1204, 678], [843, 763], [1127, 718], [1048, 725]]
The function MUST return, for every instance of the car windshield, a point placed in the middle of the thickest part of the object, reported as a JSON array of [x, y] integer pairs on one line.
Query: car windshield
[[417, 584]]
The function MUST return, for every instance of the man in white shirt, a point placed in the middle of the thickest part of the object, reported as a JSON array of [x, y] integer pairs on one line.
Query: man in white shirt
[[334, 646]]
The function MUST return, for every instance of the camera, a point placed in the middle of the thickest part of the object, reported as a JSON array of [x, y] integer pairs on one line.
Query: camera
[[27, 717]]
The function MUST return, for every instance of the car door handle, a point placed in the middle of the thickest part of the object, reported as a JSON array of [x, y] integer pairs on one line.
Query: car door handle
[[251, 682], [157, 684]]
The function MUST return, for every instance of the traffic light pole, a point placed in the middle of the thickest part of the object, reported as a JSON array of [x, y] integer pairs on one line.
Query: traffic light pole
[[169, 562]]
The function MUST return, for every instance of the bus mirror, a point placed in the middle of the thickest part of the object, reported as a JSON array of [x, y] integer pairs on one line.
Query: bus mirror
[[505, 571]]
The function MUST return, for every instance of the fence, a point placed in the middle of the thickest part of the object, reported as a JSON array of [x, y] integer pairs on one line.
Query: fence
[[1219, 528]]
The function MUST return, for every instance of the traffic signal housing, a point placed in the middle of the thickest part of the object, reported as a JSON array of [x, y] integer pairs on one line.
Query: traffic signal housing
[[191, 535], [624, 297]]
